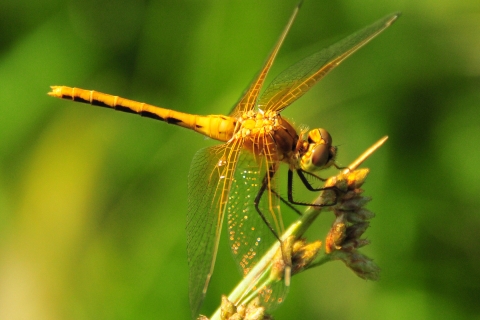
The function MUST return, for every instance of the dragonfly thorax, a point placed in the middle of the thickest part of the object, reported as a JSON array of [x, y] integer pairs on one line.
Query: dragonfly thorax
[[319, 152], [254, 123], [267, 134]]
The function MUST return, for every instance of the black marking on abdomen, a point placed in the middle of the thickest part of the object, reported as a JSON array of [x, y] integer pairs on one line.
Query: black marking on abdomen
[[124, 109], [97, 103], [151, 115], [172, 120], [79, 99], [198, 126]]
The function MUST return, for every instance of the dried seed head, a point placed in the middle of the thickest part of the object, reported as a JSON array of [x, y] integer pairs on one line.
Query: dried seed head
[[343, 239], [252, 311], [353, 203], [350, 245], [336, 235], [363, 266], [227, 308], [359, 215], [356, 230], [303, 254], [282, 259]]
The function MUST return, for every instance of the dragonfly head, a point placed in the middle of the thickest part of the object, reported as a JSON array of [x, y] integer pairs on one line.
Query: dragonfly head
[[319, 154]]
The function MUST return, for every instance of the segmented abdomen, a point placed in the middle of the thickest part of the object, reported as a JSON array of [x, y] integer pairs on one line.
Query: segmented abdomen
[[217, 127]]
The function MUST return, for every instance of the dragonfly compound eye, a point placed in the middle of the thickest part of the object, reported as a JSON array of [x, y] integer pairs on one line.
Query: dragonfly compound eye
[[320, 152]]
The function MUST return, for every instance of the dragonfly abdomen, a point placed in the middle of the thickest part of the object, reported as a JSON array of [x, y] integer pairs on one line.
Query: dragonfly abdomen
[[217, 127]]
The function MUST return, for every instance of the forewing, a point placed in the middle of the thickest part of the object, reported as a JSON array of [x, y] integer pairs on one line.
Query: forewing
[[249, 98], [295, 81], [209, 183]]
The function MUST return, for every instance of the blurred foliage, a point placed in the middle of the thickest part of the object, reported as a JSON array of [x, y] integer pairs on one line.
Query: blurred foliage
[[93, 202]]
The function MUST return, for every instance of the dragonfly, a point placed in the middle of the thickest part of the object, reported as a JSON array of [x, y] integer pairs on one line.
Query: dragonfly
[[238, 180]]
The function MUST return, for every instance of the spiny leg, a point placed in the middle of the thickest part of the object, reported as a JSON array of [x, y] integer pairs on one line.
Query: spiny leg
[[286, 202], [286, 257], [308, 185], [256, 202]]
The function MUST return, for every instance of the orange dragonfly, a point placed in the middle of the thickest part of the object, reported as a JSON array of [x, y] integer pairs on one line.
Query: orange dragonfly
[[238, 179]]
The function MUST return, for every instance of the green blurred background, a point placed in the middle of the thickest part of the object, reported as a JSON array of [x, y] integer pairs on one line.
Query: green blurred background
[[93, 202]]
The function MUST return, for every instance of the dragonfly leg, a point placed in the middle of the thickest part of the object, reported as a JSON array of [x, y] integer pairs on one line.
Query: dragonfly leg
[[260, 193], [308, 185], [286, 202], [338, 167], [286, 254]]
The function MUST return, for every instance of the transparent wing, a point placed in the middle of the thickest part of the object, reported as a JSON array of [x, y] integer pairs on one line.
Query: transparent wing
[[295, 81], [249, 236], [249, 98], [209, 183], [273, 295]]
